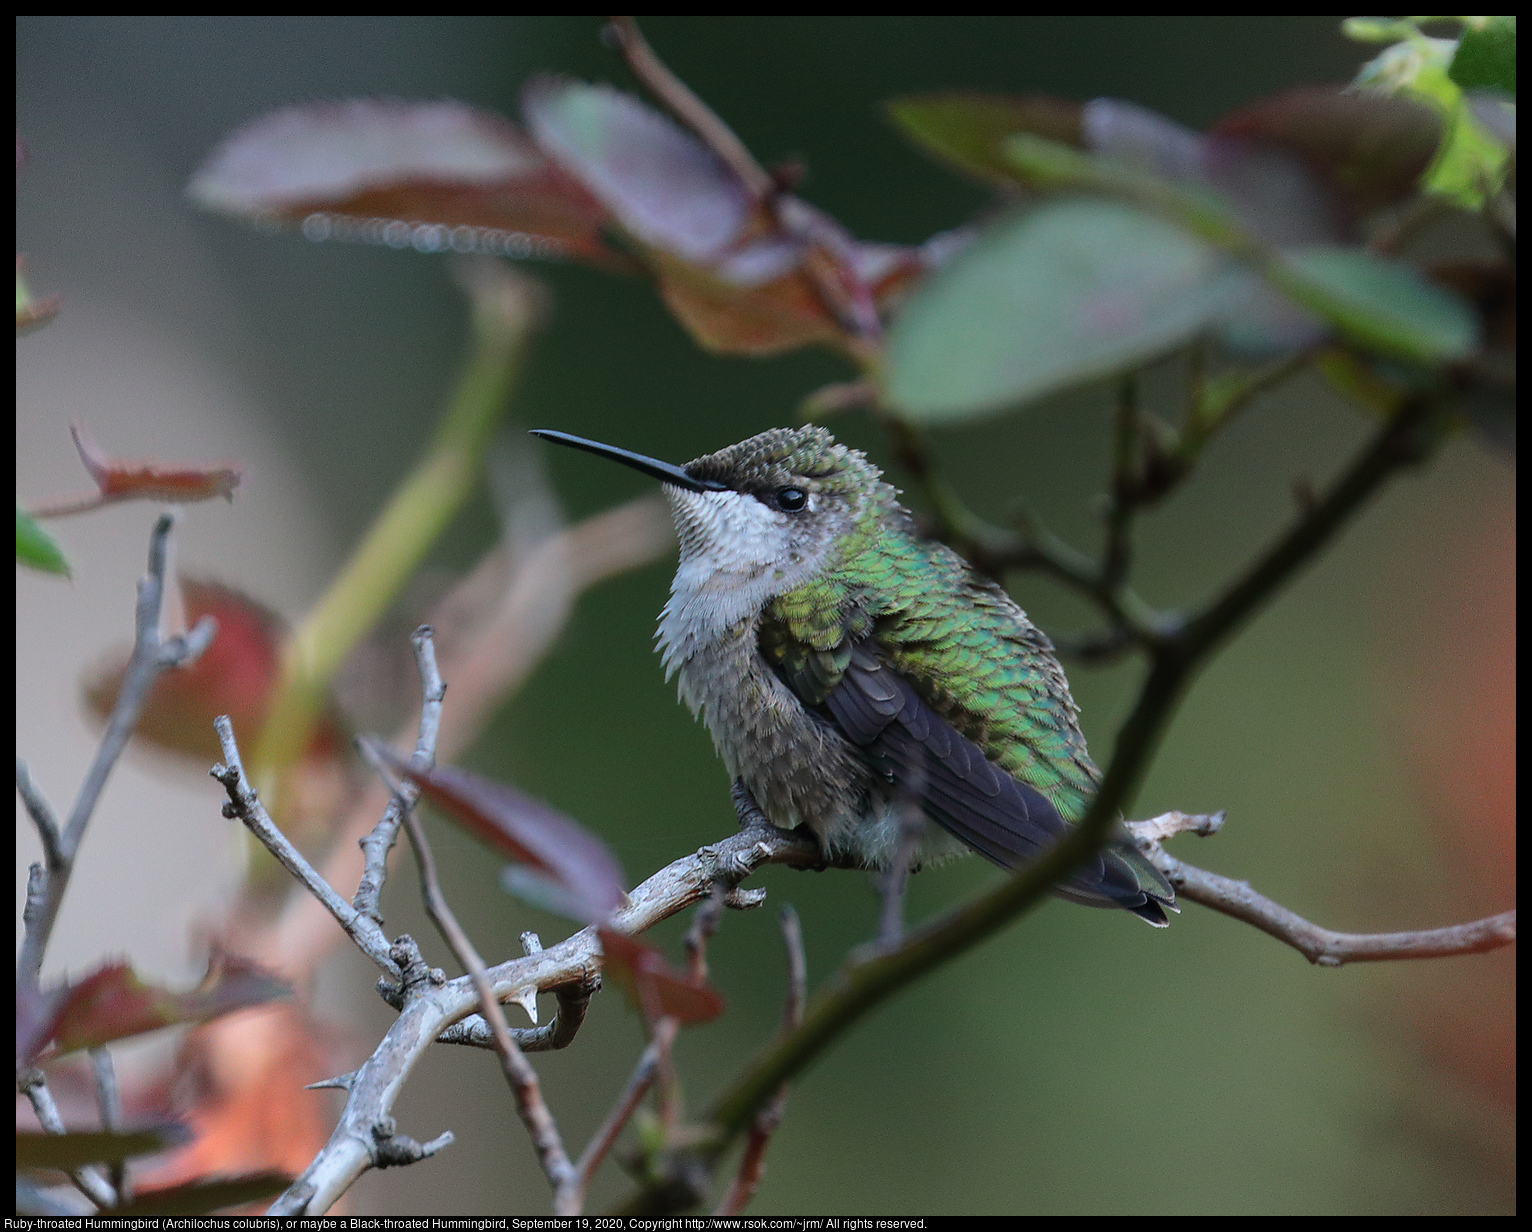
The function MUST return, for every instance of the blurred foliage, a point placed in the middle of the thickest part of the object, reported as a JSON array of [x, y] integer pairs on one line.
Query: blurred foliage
[[1051, 1049]]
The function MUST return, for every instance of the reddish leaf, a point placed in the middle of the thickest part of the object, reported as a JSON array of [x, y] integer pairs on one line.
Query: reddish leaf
[[735, 271], [121, 480], [37, 1014], [968, 129], [249, 1110], [654, 987], [113, 1003], [1371, 147], [526, 830], [745, 320], [435, 176], [234, 676]]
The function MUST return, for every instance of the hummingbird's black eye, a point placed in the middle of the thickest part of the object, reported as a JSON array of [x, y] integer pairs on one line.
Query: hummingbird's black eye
[[791, 499]]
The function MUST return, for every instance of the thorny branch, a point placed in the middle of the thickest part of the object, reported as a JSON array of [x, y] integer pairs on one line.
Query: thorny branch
[[518, 1073], [151, 655], [573, 962], [827, 262]]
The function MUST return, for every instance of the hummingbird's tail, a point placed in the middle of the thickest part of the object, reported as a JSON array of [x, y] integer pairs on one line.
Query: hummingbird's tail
[[925, 759], [1124, 878]]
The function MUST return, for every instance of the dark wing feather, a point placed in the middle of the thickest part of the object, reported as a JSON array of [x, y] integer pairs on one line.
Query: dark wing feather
[[1003, 819]]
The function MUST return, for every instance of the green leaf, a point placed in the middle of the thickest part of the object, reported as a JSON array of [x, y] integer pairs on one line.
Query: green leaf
[[1471, 162], [35, 547], [74, 1150], [1486, 57], [1049, 299], [203, 1197], [969, 130], [1382, 304]]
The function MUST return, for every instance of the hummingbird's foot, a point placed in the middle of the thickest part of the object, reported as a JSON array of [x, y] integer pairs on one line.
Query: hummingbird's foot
[[890, 885], [892, 881], [745, 808]]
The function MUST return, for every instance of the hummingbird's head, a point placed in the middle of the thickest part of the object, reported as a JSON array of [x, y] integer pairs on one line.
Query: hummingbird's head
[[763, 516]]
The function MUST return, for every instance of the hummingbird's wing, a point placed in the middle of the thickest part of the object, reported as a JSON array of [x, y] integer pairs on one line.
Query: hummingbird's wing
[[1002, 818]]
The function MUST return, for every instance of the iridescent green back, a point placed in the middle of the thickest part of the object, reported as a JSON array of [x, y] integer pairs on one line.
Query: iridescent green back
[[956, 636]]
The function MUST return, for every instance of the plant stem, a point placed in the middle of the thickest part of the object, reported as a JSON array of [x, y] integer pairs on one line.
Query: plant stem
[[392, 549]]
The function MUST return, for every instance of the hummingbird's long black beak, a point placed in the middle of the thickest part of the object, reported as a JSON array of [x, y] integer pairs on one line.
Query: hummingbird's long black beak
[[653, 467]]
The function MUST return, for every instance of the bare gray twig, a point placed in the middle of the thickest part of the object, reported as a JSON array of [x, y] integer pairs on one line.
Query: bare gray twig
[[109, 1100], [246, 806], [573, 1001], [41, 815], [88, 1181], [151, 655], [380, 840], [682, 103], [519, 1073], [575, 961]]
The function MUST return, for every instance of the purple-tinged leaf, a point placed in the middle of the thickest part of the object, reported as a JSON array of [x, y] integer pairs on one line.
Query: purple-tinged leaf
[[663, 186], [430, 175], [744, 276], [1145, 140], [526, 830], [1272, 193], [654, 987], [1370, 147]]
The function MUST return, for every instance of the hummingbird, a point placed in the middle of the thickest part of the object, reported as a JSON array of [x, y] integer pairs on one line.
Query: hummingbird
[[850, 669]]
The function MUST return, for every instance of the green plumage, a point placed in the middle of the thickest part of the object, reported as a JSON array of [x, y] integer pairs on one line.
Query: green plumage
[[846, 665], [962, 641]]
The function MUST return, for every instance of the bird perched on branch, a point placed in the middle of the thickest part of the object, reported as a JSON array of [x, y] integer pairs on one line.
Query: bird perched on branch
[[856, 675]]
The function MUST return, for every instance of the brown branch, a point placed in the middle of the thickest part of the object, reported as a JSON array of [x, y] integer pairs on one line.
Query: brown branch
[[622, 1111], [519, 1074], [828, 263], [752, 1164], [1321, 946], [678, 98]]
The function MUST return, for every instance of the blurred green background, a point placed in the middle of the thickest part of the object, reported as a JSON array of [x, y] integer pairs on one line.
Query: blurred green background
[[1079, 1063]]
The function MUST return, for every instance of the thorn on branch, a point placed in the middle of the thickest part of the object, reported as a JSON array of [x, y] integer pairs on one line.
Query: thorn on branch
[[341, 1082]]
